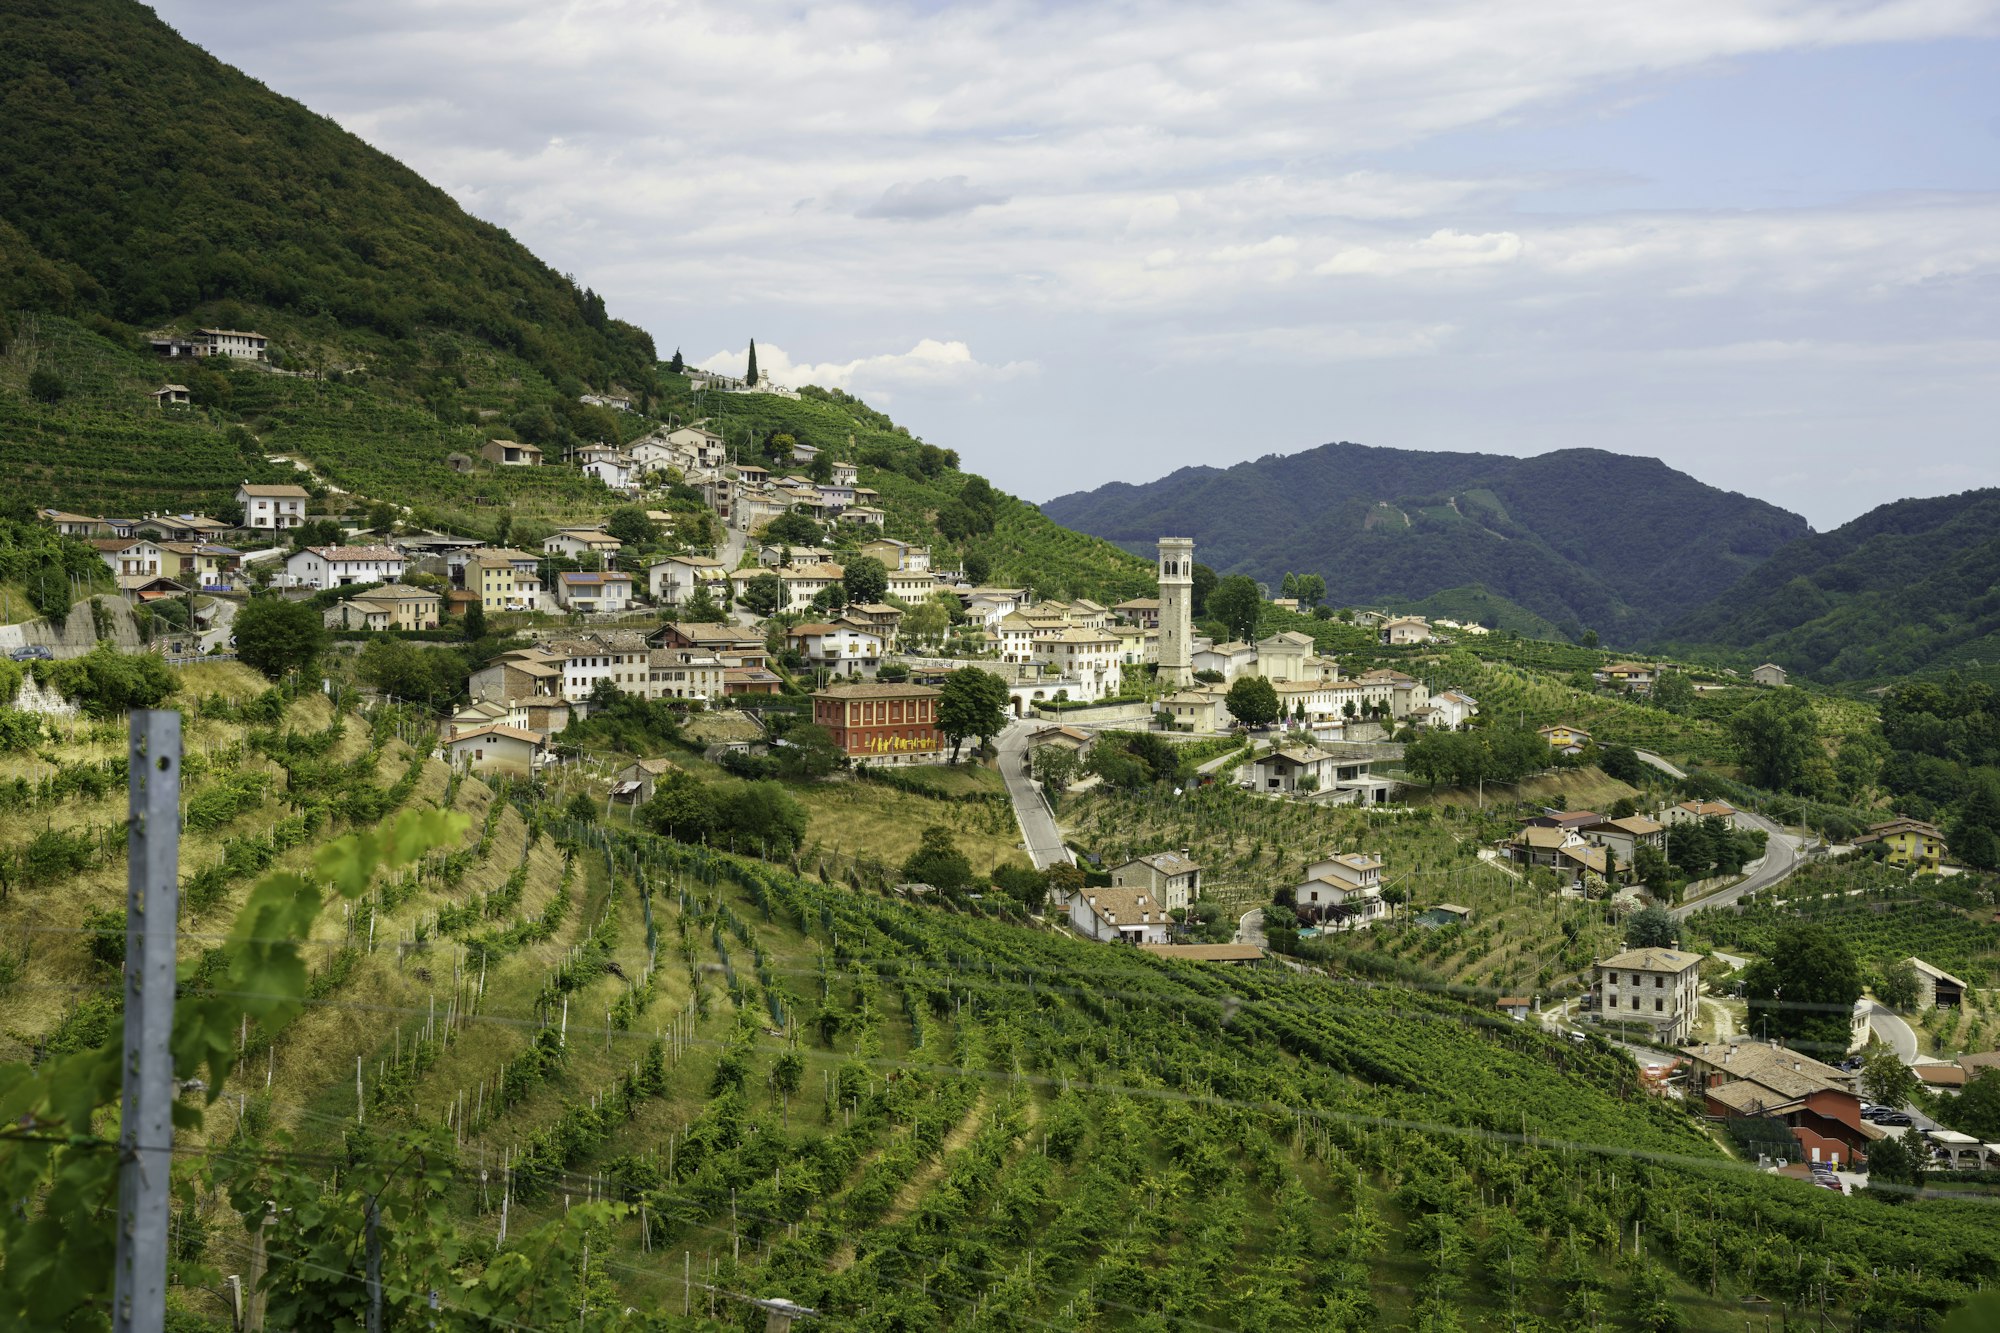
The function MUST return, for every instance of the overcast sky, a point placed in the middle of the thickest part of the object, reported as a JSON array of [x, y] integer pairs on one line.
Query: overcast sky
[[1760, 240]]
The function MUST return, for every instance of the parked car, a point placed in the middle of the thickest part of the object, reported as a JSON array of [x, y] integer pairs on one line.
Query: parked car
[[33, 652], [1893, 1118]]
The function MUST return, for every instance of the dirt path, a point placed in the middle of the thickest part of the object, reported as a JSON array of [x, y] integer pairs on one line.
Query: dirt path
[[913, 1190]]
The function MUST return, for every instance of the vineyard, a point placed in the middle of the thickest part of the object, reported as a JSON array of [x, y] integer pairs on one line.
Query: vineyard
[[728, 1078], [1522, 935], [1883, 913]]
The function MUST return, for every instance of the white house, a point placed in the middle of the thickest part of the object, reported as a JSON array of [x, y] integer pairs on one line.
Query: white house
[[802, 583], [497, 748], [673, 580], [1231, 659], [1294, 768], [1345, 889], [899, 556], [338, 566], [231, 342], [272, 506], [579, 542], [1089, 657], [1452, 709], [843, 650], [1406, 629], [615, 470], [1128, 916], [592, 591], [701, 445]]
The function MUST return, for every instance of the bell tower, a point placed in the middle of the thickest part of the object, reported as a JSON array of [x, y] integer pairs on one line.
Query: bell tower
[[1177, 611]]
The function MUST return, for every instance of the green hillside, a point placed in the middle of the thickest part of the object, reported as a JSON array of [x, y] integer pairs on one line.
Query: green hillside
[[923, 489], [1910, 587], [146, 182], [736, 1079], [1581, 538]]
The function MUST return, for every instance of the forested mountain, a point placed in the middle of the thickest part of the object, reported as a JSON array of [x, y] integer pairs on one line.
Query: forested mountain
[[1911, 585], [1580, 537], [145, 180]]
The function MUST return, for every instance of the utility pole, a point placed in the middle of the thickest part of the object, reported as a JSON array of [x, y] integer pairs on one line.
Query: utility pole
[[146, 1135]]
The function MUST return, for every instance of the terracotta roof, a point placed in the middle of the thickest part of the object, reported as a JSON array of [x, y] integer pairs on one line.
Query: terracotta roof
[[1654, 960], [502, 730], [1167, 863], [275, 492], [1940, 1076], [877, 690], [1637, 825]]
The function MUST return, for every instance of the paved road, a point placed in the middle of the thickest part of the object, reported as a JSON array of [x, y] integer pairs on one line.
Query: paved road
[[1648, 757], [1893, 1031], [1038, 828], [1781, 858], [1250, 928], [216, 638]]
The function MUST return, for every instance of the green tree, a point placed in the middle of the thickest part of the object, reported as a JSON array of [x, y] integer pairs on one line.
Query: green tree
[[1650, 928], [1886, 1078], [473, 626], [400, 669], [1055, 766], [763, 594], [277, 636], [382, 516], [1805, 991], [677, 365], [702, 609], [1976, 1110], [1899, 987], [1674, 692], [1779, 737], [1201, 583], [866, 579], [1312, 590], [630, 525], [105, 682], [1237, 604], [1253, 701], [1589, 639], [750, 373], [763, 817], [682, 807], [973, 703], [938, 862], [46, 386], [793, 528], [927, 623], [977, 568], [1894, 1167], [809, 751]]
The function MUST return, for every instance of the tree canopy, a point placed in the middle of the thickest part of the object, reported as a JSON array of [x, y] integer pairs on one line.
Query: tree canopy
[[973, 703], [277, 636], [1805, 991], [1252, 700]]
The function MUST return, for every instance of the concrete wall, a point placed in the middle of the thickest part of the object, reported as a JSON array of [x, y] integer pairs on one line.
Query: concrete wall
[[77, 634], [1101, 715]]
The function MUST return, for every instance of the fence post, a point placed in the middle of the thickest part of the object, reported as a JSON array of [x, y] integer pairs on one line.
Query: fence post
[[146, 1136]]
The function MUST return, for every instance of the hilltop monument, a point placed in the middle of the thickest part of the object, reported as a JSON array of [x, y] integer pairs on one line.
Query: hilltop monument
[[1177, 611]]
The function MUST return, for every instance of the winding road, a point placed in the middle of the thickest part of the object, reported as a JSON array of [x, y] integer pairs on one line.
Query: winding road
[[1038, 827], [1781, 853]]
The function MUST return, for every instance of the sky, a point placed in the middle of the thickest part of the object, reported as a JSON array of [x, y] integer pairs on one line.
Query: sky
[[1079, 243]]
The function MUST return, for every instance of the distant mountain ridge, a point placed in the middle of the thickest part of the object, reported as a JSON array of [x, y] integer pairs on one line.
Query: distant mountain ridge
[[1585, 538], [1906, 587]]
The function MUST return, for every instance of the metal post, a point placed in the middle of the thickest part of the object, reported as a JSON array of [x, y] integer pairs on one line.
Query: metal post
[[146, 1136]]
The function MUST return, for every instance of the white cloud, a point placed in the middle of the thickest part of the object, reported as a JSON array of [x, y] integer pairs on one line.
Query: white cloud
[[930, 364], [1102, 190]]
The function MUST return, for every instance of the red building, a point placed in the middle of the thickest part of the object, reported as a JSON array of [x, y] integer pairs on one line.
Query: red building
[[881, 721]]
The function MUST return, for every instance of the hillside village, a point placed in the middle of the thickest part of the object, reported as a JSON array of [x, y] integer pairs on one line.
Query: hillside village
[[578, 749], [722, 616]]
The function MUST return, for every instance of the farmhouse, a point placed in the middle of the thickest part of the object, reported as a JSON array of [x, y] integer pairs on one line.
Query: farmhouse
[[273, 507], [1170, 877], [1658, 987]]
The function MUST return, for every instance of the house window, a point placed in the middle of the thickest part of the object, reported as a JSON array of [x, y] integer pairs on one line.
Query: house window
[[1614, 978], [1659, 1006], [1635, 1002], [1659, 983]]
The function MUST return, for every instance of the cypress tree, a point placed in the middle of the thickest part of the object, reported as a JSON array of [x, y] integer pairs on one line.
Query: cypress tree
[[750, 375], [677, 365]]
